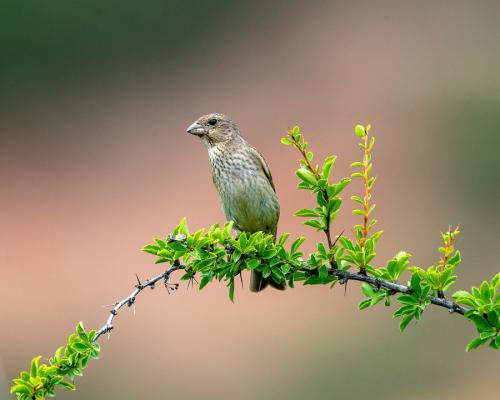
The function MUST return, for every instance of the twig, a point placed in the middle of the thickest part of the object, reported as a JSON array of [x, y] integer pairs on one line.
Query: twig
[[130, 300], [324, 192], [393, 288]]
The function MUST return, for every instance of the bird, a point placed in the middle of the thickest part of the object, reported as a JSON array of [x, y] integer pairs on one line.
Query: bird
[[243, 180]]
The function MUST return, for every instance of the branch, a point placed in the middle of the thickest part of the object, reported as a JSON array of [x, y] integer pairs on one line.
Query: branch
[[393, 288], [343, 276], [130, 300]]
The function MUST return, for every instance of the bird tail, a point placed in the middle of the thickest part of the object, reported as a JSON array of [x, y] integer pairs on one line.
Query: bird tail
[[259, 283]]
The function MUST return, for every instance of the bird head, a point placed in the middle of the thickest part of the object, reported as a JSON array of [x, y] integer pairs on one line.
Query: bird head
[[214, 129]]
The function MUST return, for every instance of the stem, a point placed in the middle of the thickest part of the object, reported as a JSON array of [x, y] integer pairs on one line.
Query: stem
[[391, 287], [344, 276], [366, 199], [323, 191], [444, 261], [130, 300]]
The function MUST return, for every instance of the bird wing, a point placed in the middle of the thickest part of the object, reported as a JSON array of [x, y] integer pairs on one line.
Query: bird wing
[[265, 168]]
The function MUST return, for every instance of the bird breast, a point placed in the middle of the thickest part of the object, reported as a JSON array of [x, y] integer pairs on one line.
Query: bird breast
[[247, 196]]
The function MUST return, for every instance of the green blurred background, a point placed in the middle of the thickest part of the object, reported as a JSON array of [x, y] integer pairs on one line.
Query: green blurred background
[[94, 161]]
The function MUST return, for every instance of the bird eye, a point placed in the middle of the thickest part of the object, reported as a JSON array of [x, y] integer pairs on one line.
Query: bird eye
[[212, 121]]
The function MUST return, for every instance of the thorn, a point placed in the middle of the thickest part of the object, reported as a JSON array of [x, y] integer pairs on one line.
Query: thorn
[[171, 286], [338, 237], [139, 284]]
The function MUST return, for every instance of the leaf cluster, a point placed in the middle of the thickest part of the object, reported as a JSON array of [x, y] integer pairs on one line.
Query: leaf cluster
[[43, 379], [485, 308], [391, 273], [440, 276], [317, 180], [221, 255], [362, 250]]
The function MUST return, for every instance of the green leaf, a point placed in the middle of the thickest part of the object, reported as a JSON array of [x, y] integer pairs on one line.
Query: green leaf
[[20, 389], [357, 199], [151, 249], [485, 292], [481, 324], [80, 347], [34, 367], [487, 335], [415, 284], [360, 131], [365, 304], [160, 243], [493, 319], [475, 343], [305, 212], [277, 276], [315, 224], [81, 331], [408, 309], [306, 176], [182, 227], [67, 385], [464, 297], [367, 289], [405, 321], [296, 244], [231, 289], [269, 253], [328, 166], [252, 263], [177, 246], [205, 279], [339, 186], [496, 343], [408, 299]]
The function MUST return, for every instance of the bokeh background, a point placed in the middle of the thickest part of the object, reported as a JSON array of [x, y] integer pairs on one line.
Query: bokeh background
[[94, 161]]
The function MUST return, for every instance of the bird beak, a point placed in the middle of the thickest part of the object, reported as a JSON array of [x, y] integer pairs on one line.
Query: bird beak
[[196, 129]]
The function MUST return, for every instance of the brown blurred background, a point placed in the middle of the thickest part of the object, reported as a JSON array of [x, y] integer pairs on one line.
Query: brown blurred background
[[94, 161]]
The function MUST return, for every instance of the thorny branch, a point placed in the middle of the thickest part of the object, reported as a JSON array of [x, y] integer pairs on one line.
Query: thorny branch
[[344, 276], [393, 288], [130, 300]]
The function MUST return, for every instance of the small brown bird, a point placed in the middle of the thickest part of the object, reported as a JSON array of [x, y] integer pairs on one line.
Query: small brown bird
[[243, 180]]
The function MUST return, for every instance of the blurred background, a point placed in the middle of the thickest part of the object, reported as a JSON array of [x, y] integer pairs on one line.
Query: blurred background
[[94, 162]]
